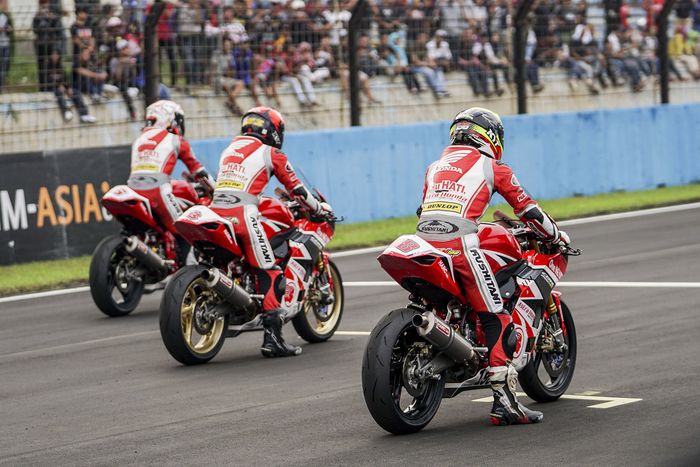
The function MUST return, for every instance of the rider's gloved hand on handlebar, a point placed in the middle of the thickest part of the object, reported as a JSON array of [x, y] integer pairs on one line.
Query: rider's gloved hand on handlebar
[[563, 239], [207, 181], [325, 210]]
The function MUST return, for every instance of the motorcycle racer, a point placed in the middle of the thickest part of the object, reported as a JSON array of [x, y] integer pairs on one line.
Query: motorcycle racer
[[245, 169], [153, 157], [456, 193]]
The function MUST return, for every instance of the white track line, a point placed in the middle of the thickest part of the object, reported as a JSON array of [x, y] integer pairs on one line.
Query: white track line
[[50, 293], [376, 249], [352, 333], [657, 285]]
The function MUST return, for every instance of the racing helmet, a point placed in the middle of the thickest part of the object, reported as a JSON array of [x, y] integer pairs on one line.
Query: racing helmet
[[480, 128], [266, 124], [167, 115]]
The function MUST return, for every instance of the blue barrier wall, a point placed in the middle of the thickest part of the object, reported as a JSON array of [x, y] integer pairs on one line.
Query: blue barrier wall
[[377, 172]]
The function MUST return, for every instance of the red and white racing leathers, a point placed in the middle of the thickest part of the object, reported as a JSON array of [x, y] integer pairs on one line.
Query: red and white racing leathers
[[456, 193], [245, 169], [153, 158]]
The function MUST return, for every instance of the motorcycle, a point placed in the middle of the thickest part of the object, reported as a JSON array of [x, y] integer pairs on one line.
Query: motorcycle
[[221, 296], [137, 260], [435, 348]]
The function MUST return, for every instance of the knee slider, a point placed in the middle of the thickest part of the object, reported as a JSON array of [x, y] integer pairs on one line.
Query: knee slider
[[509, 341]]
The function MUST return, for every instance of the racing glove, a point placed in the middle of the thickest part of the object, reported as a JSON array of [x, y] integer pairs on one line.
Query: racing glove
[[324, 210], [206, 180], [564, 238], [540, 223]]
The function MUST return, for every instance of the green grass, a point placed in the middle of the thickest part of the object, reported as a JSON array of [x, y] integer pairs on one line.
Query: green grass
[[59, 273]]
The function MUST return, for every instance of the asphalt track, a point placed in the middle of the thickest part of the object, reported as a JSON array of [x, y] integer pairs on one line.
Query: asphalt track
[[77, 388]]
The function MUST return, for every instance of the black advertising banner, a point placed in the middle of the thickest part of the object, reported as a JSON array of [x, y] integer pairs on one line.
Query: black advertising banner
[[50, 201]]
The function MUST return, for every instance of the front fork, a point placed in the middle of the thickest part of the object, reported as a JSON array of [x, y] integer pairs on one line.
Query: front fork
[[556, 321]]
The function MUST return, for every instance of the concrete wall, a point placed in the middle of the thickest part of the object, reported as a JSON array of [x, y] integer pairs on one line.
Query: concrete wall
[[377, 172]]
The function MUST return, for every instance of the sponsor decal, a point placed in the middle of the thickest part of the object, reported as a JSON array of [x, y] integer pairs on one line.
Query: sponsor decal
[[525, 311], [253, 121], [288, 167], [522, 196], [519, 340], [442, 328], [491, 135], [449, 168], [173, 203], [447, 185], [226, 198], [230, 184], [260, 237], [145, 168], [296, 268], [224, 279], [436, 227], [489, 281], [451, 251], [514, 181], [444, 268], [442, 206], [232, 168], [407, 245], [555, 269], [193, 215], [290, 293]]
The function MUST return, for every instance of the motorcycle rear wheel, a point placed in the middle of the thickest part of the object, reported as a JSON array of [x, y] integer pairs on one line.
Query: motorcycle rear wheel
[[313, 327], [190, 338], [383, 374], [540, 379], [115, 290]]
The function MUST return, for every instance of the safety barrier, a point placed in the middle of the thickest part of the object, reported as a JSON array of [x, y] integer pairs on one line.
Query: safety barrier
[[49, 200], [373, 173]]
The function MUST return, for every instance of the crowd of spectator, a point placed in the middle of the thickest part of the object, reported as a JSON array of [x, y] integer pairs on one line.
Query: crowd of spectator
[[254, 45]]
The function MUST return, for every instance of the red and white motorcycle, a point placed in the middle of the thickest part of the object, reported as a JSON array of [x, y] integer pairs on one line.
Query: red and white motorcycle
[[435, 348], [136, 261], [221, 296]]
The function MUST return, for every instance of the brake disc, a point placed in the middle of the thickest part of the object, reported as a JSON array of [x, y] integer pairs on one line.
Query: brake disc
[[411, 364]]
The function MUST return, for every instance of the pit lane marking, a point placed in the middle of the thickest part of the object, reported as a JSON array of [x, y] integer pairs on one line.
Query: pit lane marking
[[604, 402]]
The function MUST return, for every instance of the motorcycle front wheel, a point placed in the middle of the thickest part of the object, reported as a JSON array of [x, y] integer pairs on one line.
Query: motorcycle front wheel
[[191, 331], [317, 322], [115, 286], [394, 350], [548, 375]]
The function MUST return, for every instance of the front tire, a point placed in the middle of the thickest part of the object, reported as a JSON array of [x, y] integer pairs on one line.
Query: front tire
[[113, 285], [316, 323], [548, 375], [383, 377], [189, 333]]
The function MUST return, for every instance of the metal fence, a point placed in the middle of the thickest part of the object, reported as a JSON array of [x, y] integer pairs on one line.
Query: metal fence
[[63, 70]]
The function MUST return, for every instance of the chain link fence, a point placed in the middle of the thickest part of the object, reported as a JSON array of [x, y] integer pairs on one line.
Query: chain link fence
[[73, 75]]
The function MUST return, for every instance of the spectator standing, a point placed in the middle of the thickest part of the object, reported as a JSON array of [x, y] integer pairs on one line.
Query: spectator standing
[[47, 35], [454, 19], [6, 42], [189, 31], [166, 39]]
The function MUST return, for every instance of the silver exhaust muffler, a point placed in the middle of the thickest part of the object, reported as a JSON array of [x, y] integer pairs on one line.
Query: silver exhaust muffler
[[442, 336], [147, 257], [231, 293]]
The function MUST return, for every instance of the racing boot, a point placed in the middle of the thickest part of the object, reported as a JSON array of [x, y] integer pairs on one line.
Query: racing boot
[[506, 409], [273, 343]]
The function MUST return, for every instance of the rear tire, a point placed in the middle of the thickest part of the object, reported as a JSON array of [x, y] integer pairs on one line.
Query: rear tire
[[180, 300], [322, 330], [529, 376], [103, 280], [383, 383]]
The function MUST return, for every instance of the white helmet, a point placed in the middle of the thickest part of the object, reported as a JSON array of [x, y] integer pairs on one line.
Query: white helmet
[[167, 115]]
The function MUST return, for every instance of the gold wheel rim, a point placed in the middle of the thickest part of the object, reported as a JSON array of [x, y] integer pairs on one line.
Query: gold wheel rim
[[196, 342], [322, 328]]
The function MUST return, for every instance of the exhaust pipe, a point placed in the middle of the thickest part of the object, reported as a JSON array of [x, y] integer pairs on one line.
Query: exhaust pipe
[[232, 293], [441, 335], [145, 255]]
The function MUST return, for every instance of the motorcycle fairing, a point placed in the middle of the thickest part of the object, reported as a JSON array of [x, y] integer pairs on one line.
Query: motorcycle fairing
[[124, 203], [185, 193], [202, 227], [417, 265]]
